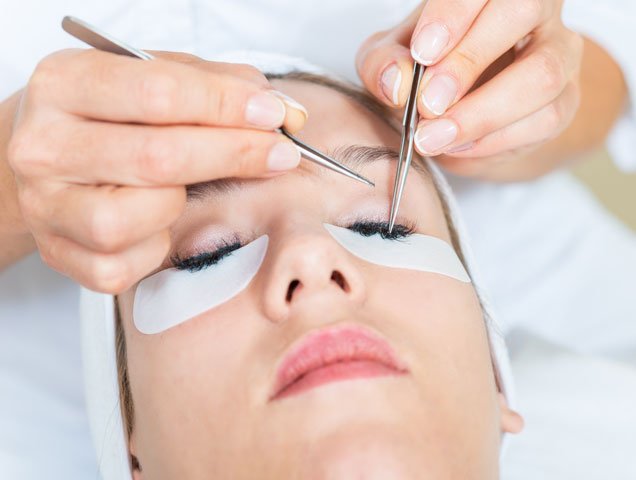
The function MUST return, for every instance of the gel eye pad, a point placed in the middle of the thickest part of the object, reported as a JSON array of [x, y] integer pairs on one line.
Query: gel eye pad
[[170, 297], [413, 252]]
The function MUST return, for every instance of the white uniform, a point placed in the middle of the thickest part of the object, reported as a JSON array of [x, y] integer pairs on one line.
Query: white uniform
[[554, 263]]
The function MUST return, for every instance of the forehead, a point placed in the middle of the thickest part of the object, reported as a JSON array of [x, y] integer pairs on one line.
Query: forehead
[[336, 119]]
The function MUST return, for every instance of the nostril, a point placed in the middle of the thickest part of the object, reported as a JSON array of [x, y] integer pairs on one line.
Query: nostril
[[290, 290], [339, 278]]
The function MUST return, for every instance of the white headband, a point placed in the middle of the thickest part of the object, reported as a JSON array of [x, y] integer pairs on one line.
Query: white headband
[[97, 313]]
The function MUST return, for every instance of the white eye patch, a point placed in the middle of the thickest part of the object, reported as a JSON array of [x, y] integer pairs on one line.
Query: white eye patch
[[414, 252], [170, 297]]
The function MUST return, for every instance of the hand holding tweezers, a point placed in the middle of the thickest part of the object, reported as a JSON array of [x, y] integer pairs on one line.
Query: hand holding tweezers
[[103, 41]]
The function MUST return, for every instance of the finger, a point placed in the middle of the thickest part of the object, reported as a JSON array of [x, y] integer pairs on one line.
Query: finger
[[107, 219], [498, 28], [441, 26], [107, 273], [387, 72], [538, 127], [523, 88], [140, 155], [115, 88], [384, 62], [295, 115]]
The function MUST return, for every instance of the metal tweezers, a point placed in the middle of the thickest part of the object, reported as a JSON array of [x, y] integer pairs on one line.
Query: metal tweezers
[[103, 41], [409, 123]]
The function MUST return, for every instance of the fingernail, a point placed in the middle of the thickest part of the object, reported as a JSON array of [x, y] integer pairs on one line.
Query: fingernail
[[461, 148], [439, 93], [265, 110], [432, 136], [429, 43], [291, 103], [391, 80], [283, 156]]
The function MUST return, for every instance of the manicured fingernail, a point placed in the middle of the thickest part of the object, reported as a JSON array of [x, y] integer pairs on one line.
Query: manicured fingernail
[[391, 80], [461, 148], [439, 93], [430, 43], [283, 156], [291, 103], [432, 136], [265, 110]]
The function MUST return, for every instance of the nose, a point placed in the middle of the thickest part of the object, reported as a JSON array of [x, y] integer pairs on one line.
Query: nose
[[306, 264]]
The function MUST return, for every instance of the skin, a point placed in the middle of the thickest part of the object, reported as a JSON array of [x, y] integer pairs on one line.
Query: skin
[[525, 94], [93, 153], [201, 389]]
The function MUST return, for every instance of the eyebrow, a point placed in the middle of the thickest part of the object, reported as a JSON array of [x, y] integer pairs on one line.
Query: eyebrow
[[353, 156]]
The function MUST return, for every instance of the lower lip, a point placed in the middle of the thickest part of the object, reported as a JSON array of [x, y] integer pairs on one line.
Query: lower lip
[[338, 372]]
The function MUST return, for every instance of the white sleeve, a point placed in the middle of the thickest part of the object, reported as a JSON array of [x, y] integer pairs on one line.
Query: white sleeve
[[612, 24]]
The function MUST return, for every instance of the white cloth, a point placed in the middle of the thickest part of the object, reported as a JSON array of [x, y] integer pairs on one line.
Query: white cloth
[[549, 255], [579, 414]]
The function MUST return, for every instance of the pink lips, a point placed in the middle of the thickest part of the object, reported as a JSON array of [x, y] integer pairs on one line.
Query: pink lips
[[332, 355]]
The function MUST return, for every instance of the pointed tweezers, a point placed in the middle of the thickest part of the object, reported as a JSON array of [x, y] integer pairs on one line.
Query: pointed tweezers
[[103, 41], [409, 123]]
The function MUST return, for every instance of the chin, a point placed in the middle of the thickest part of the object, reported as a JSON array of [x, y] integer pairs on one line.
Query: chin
[[365, 451]]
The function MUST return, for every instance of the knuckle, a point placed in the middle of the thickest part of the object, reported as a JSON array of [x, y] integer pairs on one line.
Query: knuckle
[[550, 72], [18, 149], [47, 253], [45, 78], [106, 230], [31, 204], [243, 162], [552, 119], [530, 10], [250, 73], [158, 95], [577, 44], [223, 105], [24, 155], [158, 160], [468, 60], [108, 274]]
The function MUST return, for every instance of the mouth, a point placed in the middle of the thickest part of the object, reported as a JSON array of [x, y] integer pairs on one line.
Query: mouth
[[335, 355]]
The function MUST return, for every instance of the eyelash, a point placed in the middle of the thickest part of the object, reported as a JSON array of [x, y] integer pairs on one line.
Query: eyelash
[[366, 228], [203, 260]]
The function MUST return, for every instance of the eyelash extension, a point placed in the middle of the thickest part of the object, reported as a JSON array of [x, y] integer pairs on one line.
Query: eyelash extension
[[368, 229], [203, 260]]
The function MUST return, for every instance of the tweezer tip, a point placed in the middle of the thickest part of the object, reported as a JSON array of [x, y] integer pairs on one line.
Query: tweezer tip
[[391, 219]]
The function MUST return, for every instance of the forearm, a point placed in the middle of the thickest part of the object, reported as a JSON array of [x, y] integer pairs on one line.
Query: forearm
[[15, 239], [603, 99]]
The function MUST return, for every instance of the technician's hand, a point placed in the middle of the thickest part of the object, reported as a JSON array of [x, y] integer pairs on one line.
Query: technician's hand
[[475, 125], [103, 146]]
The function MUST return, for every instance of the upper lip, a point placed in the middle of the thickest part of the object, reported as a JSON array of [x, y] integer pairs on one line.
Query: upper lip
[[328, 346]]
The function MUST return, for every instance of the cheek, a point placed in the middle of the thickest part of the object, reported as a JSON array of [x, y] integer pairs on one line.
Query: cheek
[[439, 323], [184, 381]]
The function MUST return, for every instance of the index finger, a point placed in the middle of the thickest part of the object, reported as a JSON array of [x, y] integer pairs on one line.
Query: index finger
[[441, 26], [115, 88]]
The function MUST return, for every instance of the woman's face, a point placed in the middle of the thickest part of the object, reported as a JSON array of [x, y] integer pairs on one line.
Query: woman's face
[[204, 392]]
